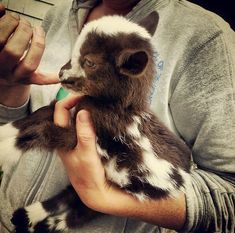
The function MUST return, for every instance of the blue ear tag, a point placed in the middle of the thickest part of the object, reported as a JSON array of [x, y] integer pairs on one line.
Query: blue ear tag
[[61, 94]]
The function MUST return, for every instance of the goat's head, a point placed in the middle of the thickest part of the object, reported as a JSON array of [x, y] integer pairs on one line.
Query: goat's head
[[112, 59]]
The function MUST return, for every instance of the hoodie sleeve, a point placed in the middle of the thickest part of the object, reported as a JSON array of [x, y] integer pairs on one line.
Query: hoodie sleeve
[[8, 114], [203, 110]]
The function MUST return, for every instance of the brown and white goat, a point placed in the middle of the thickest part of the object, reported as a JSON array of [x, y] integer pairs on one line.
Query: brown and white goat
[[112, 67]]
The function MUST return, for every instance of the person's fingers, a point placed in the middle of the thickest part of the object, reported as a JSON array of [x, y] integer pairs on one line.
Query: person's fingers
[[33, 57], [2, 10], [62, 110], [85, 133], [40, 78], [8, 24], [16, 46]]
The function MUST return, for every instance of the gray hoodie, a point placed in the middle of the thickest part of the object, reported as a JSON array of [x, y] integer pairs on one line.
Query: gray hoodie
[[193, 94]]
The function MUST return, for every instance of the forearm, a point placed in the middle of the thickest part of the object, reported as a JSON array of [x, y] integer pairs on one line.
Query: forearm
[[169, 212], [14, 96]]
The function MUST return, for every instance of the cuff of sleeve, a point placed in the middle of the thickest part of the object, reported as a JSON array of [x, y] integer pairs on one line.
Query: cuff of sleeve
[[194, 208], [8, 114]]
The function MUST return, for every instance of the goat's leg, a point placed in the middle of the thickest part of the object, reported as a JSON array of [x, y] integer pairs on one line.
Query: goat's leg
[[36, 131], [58, 214]]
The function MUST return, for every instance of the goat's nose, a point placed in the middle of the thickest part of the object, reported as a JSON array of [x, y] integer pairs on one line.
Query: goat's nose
[[65, 67], [61, 73]]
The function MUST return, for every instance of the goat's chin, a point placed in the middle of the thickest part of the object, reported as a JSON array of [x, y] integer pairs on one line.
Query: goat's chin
[[73, 91]]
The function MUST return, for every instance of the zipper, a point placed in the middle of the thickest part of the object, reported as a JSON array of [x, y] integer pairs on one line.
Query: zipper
[[40, 178]]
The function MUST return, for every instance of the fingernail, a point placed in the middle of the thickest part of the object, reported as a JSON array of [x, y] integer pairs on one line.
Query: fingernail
[[39, 31], [14, 15], [84, 116]]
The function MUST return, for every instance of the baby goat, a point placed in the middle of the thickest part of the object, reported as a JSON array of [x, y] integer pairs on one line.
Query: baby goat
[[112, 67]]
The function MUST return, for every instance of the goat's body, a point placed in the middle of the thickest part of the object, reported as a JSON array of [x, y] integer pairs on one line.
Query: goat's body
[[139, 155]]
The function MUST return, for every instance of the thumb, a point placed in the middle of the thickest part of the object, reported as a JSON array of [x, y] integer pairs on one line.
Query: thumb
[[85, 131]]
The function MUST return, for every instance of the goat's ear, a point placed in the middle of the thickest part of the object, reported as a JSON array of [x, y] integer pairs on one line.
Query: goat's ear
[[150, 22], [132, 62]]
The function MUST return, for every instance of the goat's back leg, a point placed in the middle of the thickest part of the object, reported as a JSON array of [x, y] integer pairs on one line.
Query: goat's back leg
[[61, 212], [65, 221]]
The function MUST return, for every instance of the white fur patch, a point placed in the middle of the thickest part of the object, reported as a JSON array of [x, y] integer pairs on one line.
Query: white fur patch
[[36, 213], [160, 170], [8, 130], [57, 222], [121, 138], [133, 129], [140, 196], [9, 153], [75, 71], [145, 115], [137, 119], [120, 177], [101, 152]]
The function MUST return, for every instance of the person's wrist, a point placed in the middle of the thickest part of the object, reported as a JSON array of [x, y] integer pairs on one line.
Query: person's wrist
[[111, 200], [115, 201], [14, 96]]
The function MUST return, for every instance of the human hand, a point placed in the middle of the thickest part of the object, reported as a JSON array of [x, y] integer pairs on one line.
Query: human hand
[[21, 49], [83, 163]]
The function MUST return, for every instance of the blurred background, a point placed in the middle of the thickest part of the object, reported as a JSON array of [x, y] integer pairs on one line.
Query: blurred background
[[34, 10], [224, 8]]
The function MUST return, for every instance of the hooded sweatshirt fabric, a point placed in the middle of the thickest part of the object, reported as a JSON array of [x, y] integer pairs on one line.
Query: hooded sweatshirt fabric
[[193, 94]]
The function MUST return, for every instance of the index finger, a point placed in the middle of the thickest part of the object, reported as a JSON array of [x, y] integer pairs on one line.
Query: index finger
[[62, 110], [40, 78]]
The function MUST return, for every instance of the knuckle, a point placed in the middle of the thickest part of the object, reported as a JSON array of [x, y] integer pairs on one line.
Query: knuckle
[[25, 22], [8, 23], [12, 53], [58, 105], [12, 19], [28, 67], [38, 44], [85, 137], [26, 28]]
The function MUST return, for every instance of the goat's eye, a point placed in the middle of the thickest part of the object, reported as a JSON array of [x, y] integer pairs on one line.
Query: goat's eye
[[89, 63]]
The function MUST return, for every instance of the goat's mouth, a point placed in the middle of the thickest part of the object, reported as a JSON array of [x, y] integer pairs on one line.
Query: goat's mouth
[[73, 83], [67, 82]]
